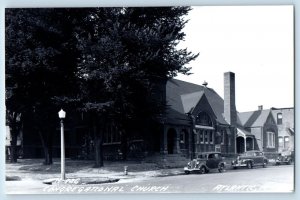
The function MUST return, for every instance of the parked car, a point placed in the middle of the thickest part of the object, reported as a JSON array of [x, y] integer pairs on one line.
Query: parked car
[[250, 159], [205, 162], [285, 158]]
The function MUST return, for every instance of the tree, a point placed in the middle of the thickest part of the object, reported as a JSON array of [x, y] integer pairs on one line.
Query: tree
[[102, 61], [40, 65], [124, 56]]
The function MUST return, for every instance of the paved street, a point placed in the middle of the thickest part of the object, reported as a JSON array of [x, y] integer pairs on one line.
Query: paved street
[[270, 179]]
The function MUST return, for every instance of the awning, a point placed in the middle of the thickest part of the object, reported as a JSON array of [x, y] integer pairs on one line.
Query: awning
[[244, 133], [292, 132]]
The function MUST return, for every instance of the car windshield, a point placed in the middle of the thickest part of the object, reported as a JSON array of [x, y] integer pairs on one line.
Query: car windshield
[[202, 156], [251, 153]]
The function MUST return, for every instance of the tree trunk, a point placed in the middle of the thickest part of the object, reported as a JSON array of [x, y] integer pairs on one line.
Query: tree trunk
[[124, 146], [98, 147], [13, 144], [46, 148]]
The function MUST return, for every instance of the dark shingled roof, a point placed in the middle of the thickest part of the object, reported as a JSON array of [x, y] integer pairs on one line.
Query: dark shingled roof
[[253, 118], [189, 101], [180, 92]]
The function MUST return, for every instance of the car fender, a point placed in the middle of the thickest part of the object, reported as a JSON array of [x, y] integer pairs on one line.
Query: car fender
[[248, 160], [203, 165], [221, 163]]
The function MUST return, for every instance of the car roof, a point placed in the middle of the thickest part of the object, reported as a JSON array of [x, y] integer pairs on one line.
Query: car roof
[[208, 153]]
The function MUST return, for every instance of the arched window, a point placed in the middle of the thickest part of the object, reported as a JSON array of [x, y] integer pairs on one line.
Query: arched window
[[203, 119]]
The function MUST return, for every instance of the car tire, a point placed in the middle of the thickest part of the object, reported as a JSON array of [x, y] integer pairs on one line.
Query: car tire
[[221, 168], [265, 164], [249, 165], [187, 172], [202, 170]]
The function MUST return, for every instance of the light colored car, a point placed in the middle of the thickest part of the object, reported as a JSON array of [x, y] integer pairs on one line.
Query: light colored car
[[206, 162], [250, 159]]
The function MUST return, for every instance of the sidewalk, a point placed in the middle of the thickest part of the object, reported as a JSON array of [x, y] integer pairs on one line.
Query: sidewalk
[[33, 169]]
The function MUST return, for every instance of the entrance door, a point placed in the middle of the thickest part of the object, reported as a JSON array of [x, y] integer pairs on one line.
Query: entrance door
[[171, 140], [240, 145]]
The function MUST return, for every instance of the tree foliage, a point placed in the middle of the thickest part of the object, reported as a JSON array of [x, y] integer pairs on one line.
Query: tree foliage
[[102, 61]]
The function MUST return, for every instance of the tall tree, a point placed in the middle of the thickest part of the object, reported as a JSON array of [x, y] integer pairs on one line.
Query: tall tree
[[104, 61], [126, 54], [40, 66]]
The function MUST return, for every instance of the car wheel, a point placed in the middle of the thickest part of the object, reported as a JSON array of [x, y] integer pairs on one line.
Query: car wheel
[[221, 168], [187, 172], [249, 165], [202, 170], [265, 164]]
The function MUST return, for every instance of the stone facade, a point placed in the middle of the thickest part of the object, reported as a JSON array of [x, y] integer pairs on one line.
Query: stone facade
[[285, 123]]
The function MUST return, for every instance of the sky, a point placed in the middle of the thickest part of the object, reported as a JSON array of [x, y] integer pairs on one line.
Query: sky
[[254, 42]]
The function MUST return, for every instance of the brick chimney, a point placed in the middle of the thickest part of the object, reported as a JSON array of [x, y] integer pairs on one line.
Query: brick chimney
[[260, 107], [229, 98]]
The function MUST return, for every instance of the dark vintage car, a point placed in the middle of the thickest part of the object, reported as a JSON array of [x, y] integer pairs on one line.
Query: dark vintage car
[[206, 162], [250, 159], [285, 158]]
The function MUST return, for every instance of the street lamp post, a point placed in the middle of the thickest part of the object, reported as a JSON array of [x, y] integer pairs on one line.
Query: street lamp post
[[62, 116]]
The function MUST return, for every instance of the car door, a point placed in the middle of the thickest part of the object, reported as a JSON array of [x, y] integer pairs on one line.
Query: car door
[[210, 163], [218, 159], [258, 158]]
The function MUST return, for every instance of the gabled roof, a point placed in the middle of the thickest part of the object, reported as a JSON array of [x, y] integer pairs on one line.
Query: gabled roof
[[253, 118], [189, 101], [182, 96]]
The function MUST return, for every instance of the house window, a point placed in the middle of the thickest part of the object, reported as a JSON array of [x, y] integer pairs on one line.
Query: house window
[[217, 148], [111, 135], [211, 137], [182, 137], [201, 137], [203, 119], [270, 140], [279, 118], [286, 142], [222, 136], [280, 142], [196, 137], [205, 137]]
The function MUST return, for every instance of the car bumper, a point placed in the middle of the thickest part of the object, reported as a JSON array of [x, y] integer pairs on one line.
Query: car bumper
[[186, 169], [238, 164]]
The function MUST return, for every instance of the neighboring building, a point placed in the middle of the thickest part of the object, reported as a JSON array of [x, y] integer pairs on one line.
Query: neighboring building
[[258, 130], [285, 124]]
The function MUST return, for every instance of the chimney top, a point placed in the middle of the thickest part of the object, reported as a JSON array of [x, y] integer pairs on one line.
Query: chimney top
[[205, 84], [260, 107]]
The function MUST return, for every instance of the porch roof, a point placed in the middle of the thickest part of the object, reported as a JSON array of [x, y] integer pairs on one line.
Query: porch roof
[[243, 133]]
